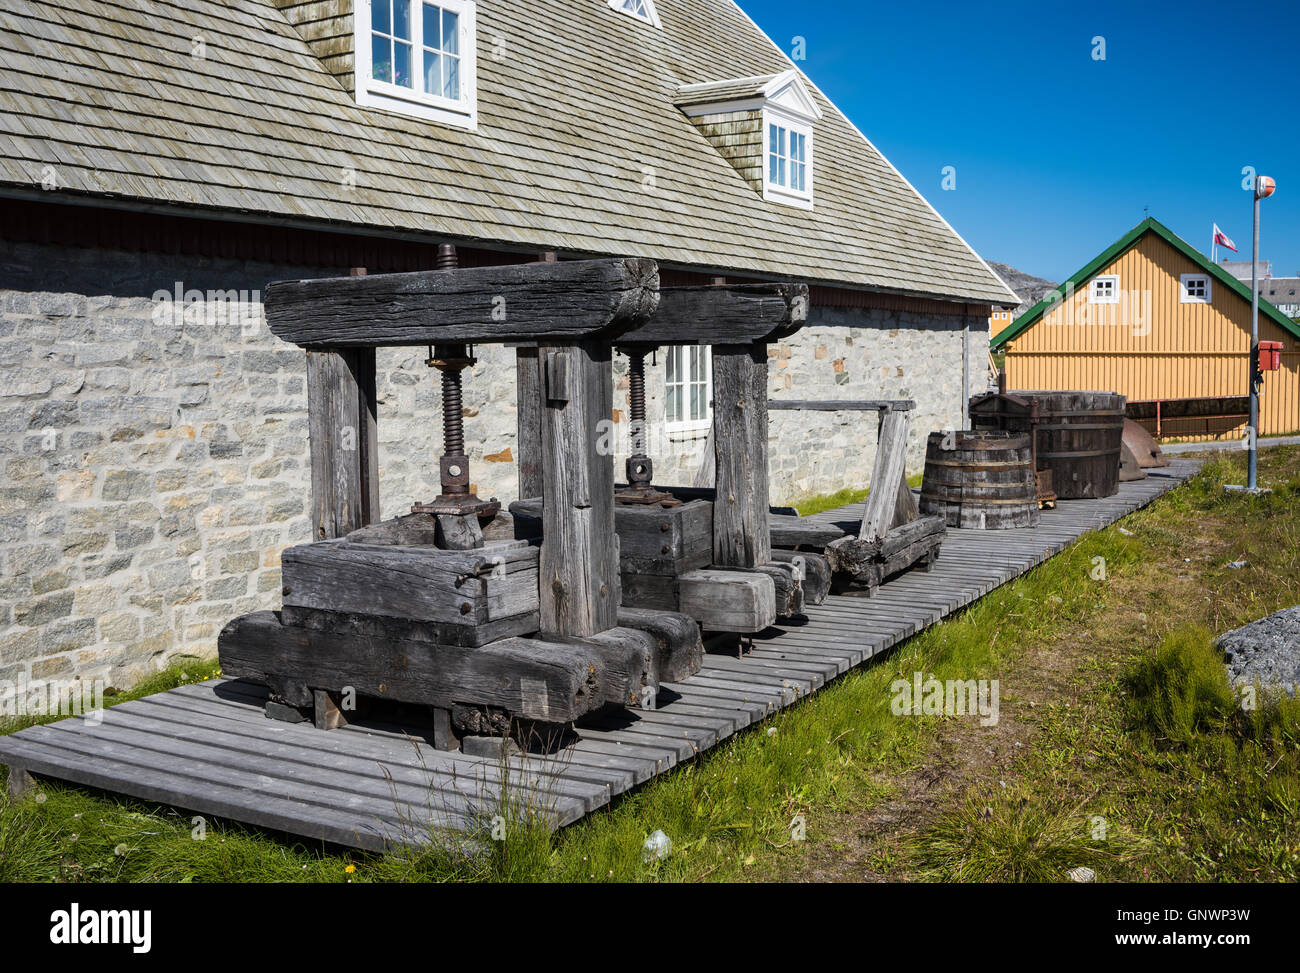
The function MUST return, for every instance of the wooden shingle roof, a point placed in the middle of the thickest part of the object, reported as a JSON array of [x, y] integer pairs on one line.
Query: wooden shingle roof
[[579, 147]]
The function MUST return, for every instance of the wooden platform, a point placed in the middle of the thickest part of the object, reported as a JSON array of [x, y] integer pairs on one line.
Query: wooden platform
[[208, 748]]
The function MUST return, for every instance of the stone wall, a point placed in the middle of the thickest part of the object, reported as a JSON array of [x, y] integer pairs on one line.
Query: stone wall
[[156, 459]]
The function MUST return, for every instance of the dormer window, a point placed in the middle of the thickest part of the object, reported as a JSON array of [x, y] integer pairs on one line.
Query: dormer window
[[640, 9], [417, 57], [787, 158], [764, 127]]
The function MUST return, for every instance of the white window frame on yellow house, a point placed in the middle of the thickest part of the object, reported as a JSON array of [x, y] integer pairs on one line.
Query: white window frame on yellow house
[[371, 92], [1102, 295], [1186, 286]]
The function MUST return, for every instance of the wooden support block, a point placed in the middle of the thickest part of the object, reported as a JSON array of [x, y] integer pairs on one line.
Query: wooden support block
[[565, 300], [342, 425], [680, 650], [740, 528], [466, 589], [630, 670], [728, 601], [328, 710], [276, 710], [870, 562], [891, 459], [815, 573], [547, 681], [20, 783], [458, 533], [906, 508], [789, 591], [579, 579], [652, 540], [445, 736]]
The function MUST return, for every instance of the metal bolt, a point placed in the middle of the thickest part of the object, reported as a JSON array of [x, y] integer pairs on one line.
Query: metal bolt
[[465, 608]]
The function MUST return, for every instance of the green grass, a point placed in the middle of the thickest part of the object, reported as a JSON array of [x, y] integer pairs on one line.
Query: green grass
[[1141, 739], [1150, 747]]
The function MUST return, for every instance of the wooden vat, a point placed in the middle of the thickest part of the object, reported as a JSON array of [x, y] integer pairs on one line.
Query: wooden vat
[[1079, 439], [982, 479]]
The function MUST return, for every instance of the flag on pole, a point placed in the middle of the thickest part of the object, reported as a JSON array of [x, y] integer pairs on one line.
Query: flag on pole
[[1221, 239]]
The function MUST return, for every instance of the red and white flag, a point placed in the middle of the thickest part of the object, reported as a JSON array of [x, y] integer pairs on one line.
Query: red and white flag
[[1222, 240]]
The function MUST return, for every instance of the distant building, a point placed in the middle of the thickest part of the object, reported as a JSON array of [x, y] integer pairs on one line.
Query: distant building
[[1152, 318], [1241, 268]]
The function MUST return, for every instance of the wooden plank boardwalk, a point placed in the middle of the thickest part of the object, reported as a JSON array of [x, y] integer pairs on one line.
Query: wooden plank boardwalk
[[208, 748]]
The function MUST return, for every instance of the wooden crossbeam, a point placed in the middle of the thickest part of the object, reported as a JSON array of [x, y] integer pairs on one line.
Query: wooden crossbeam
[[723, 314], [841, 405], [561, 301]]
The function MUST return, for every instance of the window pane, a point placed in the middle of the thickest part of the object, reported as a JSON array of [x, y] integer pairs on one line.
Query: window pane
[[430, 16], [381, 62], [697, 402], [670, 365], [402, 64], [695, 363], [450, 32], [797, 176], [780, 172], [402, 19], [771, 168], [432, 72], [675, 404], [451, 77], [383, 19]]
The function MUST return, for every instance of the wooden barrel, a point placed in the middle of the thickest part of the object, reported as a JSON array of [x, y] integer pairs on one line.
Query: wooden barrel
[[982, 479], [1079, 440]]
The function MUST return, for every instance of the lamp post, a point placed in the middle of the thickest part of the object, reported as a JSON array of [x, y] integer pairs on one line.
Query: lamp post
[[1264, 187]]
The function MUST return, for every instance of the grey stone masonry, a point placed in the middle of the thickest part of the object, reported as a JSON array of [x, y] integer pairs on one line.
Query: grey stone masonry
[[153, 440]]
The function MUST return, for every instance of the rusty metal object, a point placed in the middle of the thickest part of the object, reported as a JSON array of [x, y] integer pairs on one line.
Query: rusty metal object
[[640, 468], [456, 498], [1129, 468], [1143, 446]]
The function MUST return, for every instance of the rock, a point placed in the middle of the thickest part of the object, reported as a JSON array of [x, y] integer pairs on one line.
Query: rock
[[1265, 651], [657, 846], [1082, 874]]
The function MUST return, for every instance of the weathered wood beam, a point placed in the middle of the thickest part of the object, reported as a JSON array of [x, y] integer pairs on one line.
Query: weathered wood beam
[[841, 405], [719, 600], [342, 425], [521, 302], [528, 442], [814, 571], [740, 527], [728, 314], [549, 681], [579, 578], [891, 457]]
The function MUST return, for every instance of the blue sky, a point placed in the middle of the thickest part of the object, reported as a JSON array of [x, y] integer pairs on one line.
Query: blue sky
[[1057, 154]]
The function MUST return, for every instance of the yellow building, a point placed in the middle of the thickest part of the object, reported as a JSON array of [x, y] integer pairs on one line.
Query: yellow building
[[1151, 317]]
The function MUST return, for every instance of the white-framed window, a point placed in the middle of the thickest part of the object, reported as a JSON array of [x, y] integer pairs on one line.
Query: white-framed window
[[688, 388], [1104, 290], [1194, 289], [640, 9], [417, 57], [787, 149]]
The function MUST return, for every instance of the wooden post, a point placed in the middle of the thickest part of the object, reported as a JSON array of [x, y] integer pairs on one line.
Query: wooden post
[[741, 536], [529, 439], [889, 469], [579, 577], [20, 782], [341, 419]]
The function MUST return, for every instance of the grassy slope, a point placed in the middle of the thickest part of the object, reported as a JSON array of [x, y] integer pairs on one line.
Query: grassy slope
[[841, 754]]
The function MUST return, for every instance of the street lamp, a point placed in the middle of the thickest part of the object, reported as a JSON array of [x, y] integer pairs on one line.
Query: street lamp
[[1264, 187]]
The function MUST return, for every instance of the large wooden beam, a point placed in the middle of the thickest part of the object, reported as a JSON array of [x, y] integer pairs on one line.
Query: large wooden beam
[[841, 405], [521, 302], [740, 526], [341, 422], [579, 578], [728, 313]]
